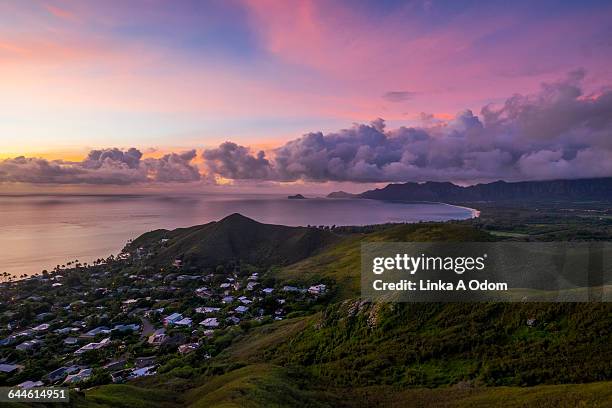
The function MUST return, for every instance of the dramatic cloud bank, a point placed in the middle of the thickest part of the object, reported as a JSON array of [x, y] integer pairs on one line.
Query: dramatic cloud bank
[[558, 133], [107, 166]]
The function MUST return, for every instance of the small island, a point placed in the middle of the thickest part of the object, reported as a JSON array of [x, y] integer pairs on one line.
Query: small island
[[296, 197], [342, 194]]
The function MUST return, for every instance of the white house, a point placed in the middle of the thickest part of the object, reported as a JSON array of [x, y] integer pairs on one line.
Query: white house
[[241, 309], [9, 368], [93, 346], [41, 327], [317, 289], [206, 309], [210, 322], [185, 322], [30, 384]]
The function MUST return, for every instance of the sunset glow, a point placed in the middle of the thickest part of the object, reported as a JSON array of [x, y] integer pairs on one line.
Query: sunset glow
[[166, 77]]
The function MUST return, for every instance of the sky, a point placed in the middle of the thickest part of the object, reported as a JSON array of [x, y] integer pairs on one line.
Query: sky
[[266, 93]]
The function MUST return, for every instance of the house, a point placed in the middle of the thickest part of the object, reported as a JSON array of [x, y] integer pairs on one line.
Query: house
[[82, 375], [79, 323], [71, 341], [225, 285], [227, 299], [210, 322], [44, 315], [26, 385], [203, 292], [94, 332], [63, 330], [61, 372], [153, 312], [142, 372], [182, 278], [126, 327], [268, 291], [141, 362], [206, 310], [244, 300], [121, 375], [209, 333], [173, 318], [9, 368], [241, 309], [317, 289], [177, 263], [233, 320], [290, 289], [8, 341], [185, 322], [251, 285], [93, 346], [29, 345], [158, 337], [115, 365], [188, 348]]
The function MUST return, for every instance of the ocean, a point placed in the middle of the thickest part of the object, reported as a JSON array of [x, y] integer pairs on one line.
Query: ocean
[[41, 231]]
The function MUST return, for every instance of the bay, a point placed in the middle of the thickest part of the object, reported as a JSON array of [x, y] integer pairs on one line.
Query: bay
[[41, 231]]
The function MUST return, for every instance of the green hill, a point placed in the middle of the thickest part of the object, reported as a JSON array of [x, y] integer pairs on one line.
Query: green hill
[[234, 238], [342, 261], [351, 353]]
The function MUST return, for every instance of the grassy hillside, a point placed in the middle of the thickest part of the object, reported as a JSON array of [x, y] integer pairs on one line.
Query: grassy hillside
[[234, 238], [355, 354], [342, 262], [354, 344], [265, 385]]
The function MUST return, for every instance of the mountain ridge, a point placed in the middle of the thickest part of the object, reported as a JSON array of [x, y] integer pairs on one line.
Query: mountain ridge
[[562, 189]]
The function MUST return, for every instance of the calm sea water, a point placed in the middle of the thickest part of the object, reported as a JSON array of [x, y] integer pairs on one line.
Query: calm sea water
[[39, 232]]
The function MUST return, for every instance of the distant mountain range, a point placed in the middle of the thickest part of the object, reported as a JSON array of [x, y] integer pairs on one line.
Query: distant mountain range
[[559, 190]]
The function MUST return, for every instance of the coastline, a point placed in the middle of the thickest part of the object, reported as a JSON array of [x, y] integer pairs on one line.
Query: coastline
[[76, 228]]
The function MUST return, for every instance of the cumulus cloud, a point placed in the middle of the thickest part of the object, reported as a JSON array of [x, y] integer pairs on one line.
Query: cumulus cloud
[[557, 133], [232, 161], [105, 166], [173, 167]]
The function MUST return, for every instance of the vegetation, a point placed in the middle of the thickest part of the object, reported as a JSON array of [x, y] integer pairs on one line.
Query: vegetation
[[339, 351]]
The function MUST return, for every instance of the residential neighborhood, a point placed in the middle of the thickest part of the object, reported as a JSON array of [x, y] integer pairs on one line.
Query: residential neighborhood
[[121, 319]]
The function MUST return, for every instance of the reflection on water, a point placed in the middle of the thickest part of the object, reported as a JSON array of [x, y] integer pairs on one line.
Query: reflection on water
[[39, 232]]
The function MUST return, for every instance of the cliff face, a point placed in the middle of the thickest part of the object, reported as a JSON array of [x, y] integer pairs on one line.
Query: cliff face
[[582, 189]]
